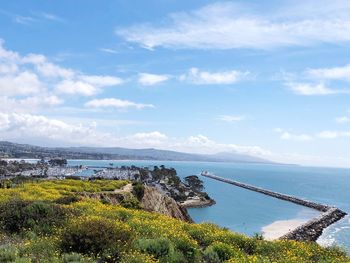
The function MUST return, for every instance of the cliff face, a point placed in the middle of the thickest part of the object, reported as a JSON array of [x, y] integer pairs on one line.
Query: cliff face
[[155, 201]]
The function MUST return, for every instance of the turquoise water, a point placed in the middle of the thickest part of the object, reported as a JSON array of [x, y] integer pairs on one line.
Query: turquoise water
[[248, 212]]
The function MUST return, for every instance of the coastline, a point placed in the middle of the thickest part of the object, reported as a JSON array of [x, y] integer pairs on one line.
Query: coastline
[[310, 230], [193, 203], [279, 228], [313, 229]]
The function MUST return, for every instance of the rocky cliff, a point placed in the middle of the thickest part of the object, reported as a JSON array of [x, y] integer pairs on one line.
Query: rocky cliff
[[155, 201]]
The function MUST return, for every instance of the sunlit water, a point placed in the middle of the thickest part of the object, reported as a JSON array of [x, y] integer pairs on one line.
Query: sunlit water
[[248, 212]]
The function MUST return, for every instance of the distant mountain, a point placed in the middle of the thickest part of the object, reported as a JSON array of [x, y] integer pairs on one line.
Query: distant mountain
[[15, 150]]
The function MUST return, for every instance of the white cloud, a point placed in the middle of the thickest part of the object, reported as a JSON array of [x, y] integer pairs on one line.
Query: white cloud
[[28, 126], [284, 135], [199, 139], [342, 119], [199, 77], [101, 81], [7, 55], [335, 73], [147, 79], [22, 75], [24, 20], [320, 81], [76, 87], [28, 104], [308, 89], [327, 134], [295, 137], [231, 118], [152, 138], [87, 85], [46, 68], [24, 83], [227, 25], [333, 134], [116, 103], [109, 50], [8, 68], [202, 144], [51, 17]]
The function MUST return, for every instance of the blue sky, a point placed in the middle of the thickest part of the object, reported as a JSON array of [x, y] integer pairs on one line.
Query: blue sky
[[270, 80]]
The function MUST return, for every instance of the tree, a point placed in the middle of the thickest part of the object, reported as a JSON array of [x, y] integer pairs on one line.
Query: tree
[[3, 163], [58, 162], [194, 183]]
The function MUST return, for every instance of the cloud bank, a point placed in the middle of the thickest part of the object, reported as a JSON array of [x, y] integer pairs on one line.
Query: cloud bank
[[227, 25]]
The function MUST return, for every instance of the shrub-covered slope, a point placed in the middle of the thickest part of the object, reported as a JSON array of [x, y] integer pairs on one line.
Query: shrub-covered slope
[[50, 221]]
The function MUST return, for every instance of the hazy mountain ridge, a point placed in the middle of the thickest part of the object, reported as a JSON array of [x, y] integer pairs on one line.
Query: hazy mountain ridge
[[15, 150]]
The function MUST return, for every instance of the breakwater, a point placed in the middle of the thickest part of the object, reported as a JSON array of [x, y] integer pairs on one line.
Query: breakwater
[[309, 231]]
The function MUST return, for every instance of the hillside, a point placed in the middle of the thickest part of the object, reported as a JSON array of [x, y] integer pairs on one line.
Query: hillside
[[56, 221], [14, 150]]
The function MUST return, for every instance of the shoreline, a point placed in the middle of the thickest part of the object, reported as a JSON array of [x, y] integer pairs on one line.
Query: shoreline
[[313, 228], [279, 228], [310, 230], [191, 203]]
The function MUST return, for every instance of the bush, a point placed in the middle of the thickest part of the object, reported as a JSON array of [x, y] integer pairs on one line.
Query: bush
[[39, 249], [68, 199], [250, 246], [210, 256], [176, 257], [157, 247], [222, 250], [73, 177], [10, 254], [130, 202], [7, 254], [138, 190], [95, 236], [75, 258], [258, 236], [188, 248], [137, 257], [18, 215]]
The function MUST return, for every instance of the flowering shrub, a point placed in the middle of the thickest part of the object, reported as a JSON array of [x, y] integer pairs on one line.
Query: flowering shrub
[[160, 247], [55, 224], [95, 236], [18, 215]]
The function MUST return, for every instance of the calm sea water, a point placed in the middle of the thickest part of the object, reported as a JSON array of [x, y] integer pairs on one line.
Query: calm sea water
[[248, 212]]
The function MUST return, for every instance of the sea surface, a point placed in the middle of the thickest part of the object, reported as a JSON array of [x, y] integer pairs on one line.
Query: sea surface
[[248, 212]]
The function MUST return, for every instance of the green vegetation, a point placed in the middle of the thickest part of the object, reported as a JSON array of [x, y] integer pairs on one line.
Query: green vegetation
[[51, 222], [40, 217], [138, 190], [194, 183]]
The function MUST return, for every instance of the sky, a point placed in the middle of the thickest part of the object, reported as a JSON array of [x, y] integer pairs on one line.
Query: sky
[[267, 79]]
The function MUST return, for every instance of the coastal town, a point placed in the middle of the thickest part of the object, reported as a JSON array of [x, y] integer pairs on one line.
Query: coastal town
[[188, 193]]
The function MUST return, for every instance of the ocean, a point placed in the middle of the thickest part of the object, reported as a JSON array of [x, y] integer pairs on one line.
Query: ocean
[[248, 212]]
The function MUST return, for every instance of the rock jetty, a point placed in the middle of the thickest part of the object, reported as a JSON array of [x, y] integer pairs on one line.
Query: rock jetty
[[311, 230]]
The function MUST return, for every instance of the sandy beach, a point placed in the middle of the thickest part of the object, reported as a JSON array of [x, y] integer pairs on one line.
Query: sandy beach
[[281, 227]]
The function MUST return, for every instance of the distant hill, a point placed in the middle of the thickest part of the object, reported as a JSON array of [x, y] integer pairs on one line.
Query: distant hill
[[15, 150]]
